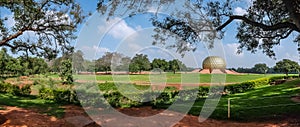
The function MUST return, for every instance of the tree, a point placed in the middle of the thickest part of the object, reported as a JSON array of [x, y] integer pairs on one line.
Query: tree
[[105, 62], [162, 64], [261, 68], [286, 66], [51, 24], [78, 61], [175, 65], [66, 72], [263, 26], [89, 66], [33, 65], [4, 58], [139, 62], [11, 66], [124, 64]]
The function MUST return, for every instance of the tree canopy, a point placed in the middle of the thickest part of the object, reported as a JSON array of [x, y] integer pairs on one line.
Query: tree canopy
[[261, 68], [263, 26], [286, 66], [49, 24], [139, 63], [161, 64], [176, 65], [21, 66]]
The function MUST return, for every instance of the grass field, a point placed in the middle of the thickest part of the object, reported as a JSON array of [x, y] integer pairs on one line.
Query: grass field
[[267, 101], [174, 78], [255, 105], [32, 102]]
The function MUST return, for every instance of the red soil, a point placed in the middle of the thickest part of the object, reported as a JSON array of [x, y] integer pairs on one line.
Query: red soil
[[19, 117]]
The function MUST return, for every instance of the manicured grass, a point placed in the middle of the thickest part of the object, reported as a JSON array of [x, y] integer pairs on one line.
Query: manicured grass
[[255, 105], [173, 78], [32, 102]]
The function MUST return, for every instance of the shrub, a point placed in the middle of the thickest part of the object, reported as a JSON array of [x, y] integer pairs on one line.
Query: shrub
[[64, 96], [245, 86], [46, 93], [4, 87], [35, 82], [25, 90], [14, 89]]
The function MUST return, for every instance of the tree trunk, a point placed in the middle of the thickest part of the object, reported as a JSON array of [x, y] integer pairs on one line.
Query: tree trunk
[[174, 71]]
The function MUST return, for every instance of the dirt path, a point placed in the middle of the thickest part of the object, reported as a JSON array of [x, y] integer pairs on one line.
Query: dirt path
[[19, 117]]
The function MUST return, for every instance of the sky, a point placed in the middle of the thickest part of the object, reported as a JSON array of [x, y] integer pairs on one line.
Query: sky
[[131, 35]]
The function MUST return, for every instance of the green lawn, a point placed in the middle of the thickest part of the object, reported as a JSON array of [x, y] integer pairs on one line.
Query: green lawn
[[173, 78], [258, 104], [43, 106]]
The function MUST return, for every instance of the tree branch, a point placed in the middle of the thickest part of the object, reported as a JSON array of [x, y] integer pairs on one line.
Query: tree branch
[[19, 33], [260, 25]]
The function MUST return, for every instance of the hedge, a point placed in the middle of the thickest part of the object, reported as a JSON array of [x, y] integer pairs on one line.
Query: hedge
[[245, 86], [14, 89], [64, 96], [91, 97]]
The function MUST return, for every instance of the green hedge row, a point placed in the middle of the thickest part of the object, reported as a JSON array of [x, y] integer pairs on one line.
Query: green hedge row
[[245, 86], [64, 96], [92, 97], [14, 89]]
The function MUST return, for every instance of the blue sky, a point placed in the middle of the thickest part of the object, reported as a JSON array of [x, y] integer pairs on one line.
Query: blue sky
[[133, 35]]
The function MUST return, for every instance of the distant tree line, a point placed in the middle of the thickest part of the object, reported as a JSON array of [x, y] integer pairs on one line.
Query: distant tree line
[[137, 64], [21, 66], [285, 66], [119, 62]]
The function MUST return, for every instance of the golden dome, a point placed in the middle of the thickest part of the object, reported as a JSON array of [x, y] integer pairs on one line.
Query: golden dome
[[214, 62]]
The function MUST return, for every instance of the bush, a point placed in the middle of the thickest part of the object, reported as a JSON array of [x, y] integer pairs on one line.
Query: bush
[[25, 90], [46, 93], [4, 87], [14, 89], [245, 86], [64, 96], [203, 91]]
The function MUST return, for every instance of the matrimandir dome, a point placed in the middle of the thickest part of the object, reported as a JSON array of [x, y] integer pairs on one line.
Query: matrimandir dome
[[215, 65]]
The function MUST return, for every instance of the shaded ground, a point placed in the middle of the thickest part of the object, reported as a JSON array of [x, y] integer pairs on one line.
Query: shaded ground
[[19, 117]]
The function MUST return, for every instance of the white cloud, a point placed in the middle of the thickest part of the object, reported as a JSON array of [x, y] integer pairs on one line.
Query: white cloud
[[231, 49], [121, 30], [93, 52], [239, 11], [117, 28]]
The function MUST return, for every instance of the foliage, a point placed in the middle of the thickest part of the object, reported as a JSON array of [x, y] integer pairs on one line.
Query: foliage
[[263, 26], [261, 68], [77, 61], [21, 66], [109, 60], [161, 64], [139, 63], [176, 65], [62, 96], [53, 24], [286, 66], [246, 86], [14, 89], [66, 72]]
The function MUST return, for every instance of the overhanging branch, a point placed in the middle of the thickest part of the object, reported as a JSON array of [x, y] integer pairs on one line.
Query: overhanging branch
[[260, 25]]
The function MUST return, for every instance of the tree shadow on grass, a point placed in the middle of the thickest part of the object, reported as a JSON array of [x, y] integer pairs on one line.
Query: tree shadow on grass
[[33, 103], [256, 105]]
